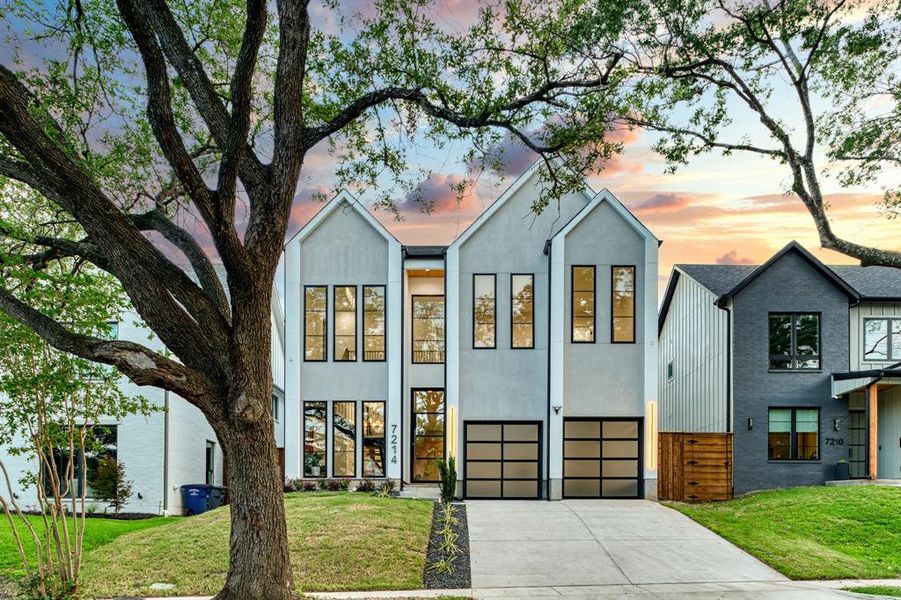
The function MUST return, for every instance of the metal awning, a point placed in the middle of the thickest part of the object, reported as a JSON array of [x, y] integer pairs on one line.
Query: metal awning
[[843, 383]]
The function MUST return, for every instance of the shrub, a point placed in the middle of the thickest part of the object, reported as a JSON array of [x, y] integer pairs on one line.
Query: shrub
[[447, 475], [309, 485], [292, 485], [445, 565], [322, 483], [337, 485], [110, 484], [386, 490], [366, 485]]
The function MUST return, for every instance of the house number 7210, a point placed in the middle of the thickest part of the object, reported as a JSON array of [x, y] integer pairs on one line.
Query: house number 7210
[[835, 441]]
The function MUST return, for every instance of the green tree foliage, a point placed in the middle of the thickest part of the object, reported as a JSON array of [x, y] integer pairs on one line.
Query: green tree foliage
[[110, 484]]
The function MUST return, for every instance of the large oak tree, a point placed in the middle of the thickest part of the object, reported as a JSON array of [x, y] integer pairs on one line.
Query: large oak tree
[[131, 119]]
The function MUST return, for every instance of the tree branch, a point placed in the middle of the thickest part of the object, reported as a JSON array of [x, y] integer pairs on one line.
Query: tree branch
[[140, 364]]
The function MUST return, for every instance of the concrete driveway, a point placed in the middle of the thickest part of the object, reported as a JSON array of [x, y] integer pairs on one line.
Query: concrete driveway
[[522, 544]]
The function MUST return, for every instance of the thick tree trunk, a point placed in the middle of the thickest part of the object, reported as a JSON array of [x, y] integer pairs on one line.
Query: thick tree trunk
[[259, 565]]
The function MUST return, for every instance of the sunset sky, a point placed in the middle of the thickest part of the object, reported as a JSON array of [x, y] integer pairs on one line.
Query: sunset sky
[[716, 209]]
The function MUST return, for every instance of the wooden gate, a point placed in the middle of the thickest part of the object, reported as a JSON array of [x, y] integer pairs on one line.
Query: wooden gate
[[694, 467]]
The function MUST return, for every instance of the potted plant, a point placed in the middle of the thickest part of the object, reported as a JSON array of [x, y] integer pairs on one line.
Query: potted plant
[[842, 470], [313, 461]]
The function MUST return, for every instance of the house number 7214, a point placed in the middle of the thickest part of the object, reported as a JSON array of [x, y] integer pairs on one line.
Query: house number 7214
[[394, 444]]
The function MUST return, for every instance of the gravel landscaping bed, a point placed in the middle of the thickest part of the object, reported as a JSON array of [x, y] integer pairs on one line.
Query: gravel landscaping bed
[[459, 578]]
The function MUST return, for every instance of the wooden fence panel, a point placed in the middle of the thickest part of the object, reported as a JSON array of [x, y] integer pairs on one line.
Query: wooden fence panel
[[694, 467]]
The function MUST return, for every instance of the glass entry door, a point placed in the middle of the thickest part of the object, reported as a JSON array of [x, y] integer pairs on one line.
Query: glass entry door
[[857, 444], [428, 433]]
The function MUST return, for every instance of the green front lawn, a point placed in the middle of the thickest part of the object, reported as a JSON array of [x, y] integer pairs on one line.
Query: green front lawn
[[97, 533], [877, 590], [338, 541], [821, 532]]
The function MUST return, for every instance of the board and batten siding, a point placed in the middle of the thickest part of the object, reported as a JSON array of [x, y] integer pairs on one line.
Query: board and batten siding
[[694, 337], [867, 310]]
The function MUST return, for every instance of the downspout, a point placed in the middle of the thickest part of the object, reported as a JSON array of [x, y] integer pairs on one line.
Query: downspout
[[165, 451], [547, 422]]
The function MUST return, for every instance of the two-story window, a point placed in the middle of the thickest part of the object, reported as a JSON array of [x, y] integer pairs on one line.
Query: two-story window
[[428, 329], [794, 341], [373, 322], [522, 311], [345, 318], [583, 302], [794, 434], [622, 302], [315, 308], [484, 311], [882, 339]]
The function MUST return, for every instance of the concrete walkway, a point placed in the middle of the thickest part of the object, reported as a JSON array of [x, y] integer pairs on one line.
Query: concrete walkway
[[599, 543]]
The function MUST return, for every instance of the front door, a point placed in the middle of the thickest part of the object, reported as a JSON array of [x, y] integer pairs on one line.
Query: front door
[[428, 434]]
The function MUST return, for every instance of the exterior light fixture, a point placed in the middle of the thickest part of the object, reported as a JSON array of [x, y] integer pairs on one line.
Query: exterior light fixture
[[750, 423], [836, 424], [557, 408]]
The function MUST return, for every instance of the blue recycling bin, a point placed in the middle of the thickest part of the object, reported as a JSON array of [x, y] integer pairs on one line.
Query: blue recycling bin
[[201, 497]]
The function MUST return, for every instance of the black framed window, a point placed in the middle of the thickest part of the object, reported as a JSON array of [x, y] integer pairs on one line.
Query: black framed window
[[794, 434], [314, 423], [622, 302], [583, 304], [374, 323], [882, 339], [484, 311], [315, 308], [373, 439], [275, 408], [210, 462], [101, 443], [794, 341], [344, 439], [428, 329], [345, 343], [522, 310]]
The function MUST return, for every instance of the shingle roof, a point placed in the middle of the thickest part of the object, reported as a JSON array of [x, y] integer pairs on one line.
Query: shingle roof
[[719, 279], [871, 282]]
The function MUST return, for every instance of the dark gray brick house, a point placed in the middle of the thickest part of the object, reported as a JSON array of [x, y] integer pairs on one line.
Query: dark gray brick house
[[800, 361]]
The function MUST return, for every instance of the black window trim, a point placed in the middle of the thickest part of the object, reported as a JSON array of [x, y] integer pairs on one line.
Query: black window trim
[[335, 312], [325, 326], [335, 404], [303, 453], [493, 346], [532, 277], [793, 357], [443, 350], [364, 437], [889, 335], [613, 318], [793, 448], [384, 321], [594, 312], [413, 436]]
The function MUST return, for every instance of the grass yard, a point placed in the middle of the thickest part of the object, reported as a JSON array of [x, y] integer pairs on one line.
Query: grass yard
[[97, 533], [821, 532], [338, 541], [877, 590]]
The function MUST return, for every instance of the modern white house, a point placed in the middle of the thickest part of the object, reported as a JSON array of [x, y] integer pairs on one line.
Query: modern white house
[[526, 349], [171, 447]]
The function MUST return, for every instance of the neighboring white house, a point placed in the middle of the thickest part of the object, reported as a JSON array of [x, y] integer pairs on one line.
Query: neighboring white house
[[170, 447], [526, 349]]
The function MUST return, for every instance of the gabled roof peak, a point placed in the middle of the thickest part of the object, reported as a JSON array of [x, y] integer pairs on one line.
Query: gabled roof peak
[[337, 200]]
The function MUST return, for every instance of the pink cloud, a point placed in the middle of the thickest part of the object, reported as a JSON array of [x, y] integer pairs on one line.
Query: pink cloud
[[732, 258], [437, 194]]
